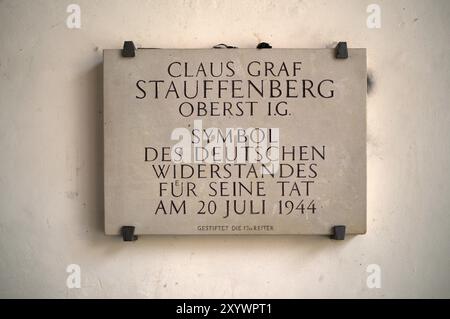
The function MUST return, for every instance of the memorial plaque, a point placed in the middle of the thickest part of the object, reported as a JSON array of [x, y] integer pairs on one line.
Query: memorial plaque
[[235, 141]]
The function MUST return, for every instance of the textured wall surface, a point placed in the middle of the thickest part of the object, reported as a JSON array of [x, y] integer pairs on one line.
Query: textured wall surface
[[51, 206]]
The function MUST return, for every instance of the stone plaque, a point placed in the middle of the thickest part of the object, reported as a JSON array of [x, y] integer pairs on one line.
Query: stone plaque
[[235, 141]]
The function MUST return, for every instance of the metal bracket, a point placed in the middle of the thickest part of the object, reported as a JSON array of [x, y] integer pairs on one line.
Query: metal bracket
[[129, 50], [338, 232], [223, 46], [341, 50], [128, 233], [264, 45]]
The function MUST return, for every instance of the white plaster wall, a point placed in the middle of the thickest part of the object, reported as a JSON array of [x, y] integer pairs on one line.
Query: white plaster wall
[[51, 209]]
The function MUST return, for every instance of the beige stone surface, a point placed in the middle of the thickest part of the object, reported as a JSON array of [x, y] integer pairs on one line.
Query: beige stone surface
[[334, 123]]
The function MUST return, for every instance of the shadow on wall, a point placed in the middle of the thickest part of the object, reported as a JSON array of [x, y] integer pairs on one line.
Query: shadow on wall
[[100, 147], [370, 82]]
